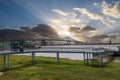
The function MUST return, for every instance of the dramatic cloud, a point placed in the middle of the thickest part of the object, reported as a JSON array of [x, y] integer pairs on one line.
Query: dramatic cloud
[[101, 36], [112, 10], [85, 34], [59, 12], [88, 28], [95, 17], [93, 39], [63, 21], [44, 30], [75, 30], [106, 22], [87, 13], [73, 19]]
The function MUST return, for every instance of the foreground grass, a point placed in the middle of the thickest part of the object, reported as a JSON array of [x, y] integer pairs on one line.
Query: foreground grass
[[47, 69]]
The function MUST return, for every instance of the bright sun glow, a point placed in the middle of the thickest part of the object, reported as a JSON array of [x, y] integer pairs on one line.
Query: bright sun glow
[[64, 33]]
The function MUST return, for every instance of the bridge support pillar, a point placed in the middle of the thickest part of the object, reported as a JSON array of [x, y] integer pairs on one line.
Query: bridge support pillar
[[90, 59], [4, 62], [8, 61], [57, 57], [100, 59], [33, 57], [84, 57]]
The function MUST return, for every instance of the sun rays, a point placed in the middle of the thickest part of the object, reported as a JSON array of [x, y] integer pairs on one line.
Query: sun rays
[[62, 15]]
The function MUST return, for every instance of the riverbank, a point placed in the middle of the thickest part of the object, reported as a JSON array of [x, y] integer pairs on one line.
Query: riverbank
[[45, 68]]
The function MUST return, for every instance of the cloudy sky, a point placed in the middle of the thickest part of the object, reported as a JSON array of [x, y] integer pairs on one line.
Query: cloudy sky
[[72, 18]]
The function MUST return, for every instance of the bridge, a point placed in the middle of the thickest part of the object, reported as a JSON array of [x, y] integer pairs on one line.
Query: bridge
[[88, 53]]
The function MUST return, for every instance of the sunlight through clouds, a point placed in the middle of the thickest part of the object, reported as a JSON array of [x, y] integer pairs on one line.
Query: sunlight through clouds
[[67, 19], [105, 21], [112, 10], [90, 15]]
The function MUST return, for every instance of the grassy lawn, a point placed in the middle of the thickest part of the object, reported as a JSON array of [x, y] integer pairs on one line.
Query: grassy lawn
[[47, 69]]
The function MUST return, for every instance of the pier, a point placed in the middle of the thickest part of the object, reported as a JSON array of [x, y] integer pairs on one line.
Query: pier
[[88, 54]]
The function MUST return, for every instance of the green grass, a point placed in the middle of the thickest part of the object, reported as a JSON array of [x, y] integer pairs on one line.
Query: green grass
[[47, 69]]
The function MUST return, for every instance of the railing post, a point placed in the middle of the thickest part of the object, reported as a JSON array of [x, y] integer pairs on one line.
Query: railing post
[[57, 57]]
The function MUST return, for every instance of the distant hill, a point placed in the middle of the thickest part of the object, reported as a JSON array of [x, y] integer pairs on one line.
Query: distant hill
[[44, 30], [10, 34], [40, 30]]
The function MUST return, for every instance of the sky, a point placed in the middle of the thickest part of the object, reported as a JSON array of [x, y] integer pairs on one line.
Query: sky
[[102, 15], [28, 12]]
